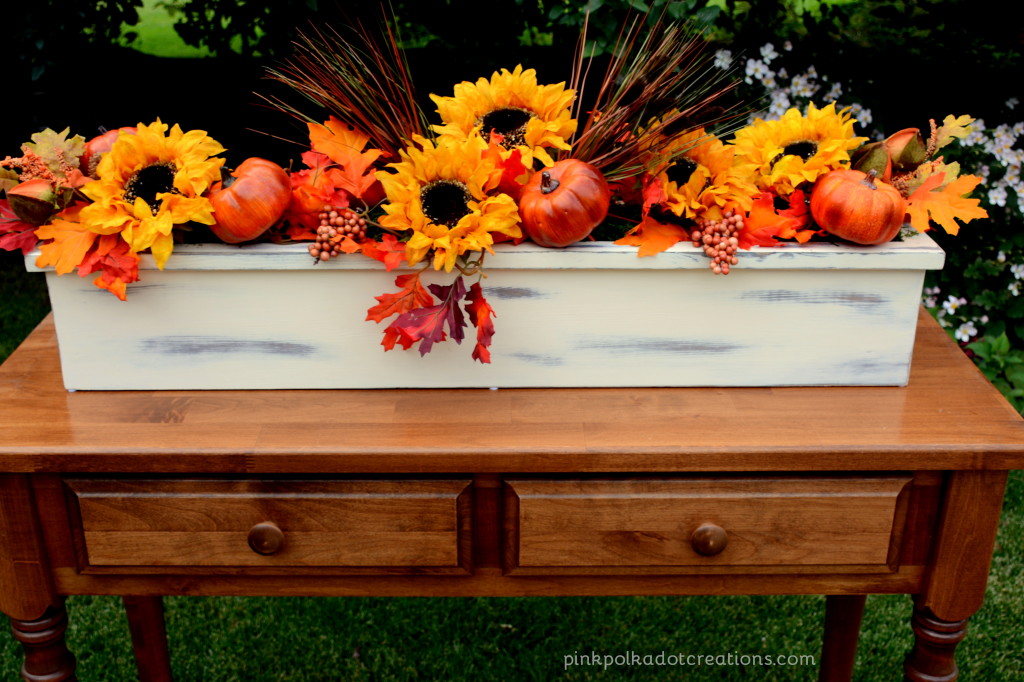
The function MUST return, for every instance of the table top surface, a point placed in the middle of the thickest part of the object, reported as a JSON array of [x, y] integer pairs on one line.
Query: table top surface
[[948, 417]]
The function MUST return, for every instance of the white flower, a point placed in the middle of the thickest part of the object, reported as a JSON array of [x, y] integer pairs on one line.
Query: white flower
[[1012, 103], [997, 195], [861, 114], [787, 46], [723, 59], [803, 84], [1017, 270], [834, 93], [1014, 287], [757, 69], [768, 53], [965, 332], [952, 303], [1001, 256]]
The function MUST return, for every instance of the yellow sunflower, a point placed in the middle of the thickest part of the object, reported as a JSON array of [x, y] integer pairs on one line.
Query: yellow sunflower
[[796, 148], [445, 195], [151, 181], [702, 181], [531, 118]]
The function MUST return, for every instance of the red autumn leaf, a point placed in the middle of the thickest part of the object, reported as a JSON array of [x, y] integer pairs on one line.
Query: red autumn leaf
[[653, 237], [411, 295], [480, 314], [651, 193], [393, 334], [15, 234], [388, 251], [511, 173], [427, 325], [118, 266]]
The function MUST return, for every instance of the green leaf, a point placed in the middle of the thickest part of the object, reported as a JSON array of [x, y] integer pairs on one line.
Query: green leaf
[[981, 348]]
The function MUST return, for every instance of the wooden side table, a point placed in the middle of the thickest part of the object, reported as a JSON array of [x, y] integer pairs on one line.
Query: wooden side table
[[836, 491]]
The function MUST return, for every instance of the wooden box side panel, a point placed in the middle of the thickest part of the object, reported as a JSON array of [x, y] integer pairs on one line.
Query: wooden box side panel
[[307, 329]]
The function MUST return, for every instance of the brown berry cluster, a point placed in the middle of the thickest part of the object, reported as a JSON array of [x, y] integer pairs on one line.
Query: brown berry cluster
[[719, 241], [335, 225]]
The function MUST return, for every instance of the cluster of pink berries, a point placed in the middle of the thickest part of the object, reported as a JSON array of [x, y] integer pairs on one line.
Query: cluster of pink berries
[[335, 225], [719, 241]]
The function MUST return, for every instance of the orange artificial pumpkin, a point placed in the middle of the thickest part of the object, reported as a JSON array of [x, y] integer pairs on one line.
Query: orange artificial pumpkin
[[248, 202], [97, 147], [563, 204], [855, 206]]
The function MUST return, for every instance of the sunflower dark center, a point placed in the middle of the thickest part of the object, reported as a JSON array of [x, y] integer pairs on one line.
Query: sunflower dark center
[[805, 149], [681, 171], [445, 201], [146, 183], [509, 123]]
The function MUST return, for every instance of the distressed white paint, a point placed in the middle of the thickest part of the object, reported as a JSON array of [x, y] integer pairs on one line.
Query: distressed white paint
[[227, 317]]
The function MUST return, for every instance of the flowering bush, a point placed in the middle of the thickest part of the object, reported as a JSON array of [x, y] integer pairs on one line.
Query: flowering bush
[[977, 297]]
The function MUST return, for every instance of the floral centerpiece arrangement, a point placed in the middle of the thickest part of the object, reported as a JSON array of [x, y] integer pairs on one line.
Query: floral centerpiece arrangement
[[652, 159]]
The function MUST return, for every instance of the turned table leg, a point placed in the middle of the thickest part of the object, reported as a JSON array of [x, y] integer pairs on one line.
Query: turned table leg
[[47, 658], [954, 584], [931, 659], [27, 594], [149, 637], [843, 614]]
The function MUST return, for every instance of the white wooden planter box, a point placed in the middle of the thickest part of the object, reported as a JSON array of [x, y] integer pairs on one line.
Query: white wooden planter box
[[594, 314]]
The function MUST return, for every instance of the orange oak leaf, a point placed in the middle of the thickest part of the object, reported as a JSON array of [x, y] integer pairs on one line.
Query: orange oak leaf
[[481, 314], [945, 205], [68, 241], [344, 146], [653, 237], [411, 295]]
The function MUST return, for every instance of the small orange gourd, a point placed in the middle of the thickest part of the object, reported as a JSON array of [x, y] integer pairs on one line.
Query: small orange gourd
[[249, 201], [563, 204], [855, 206]]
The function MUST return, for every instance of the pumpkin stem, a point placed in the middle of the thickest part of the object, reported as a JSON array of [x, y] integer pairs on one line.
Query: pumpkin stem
[[870, 179], [227, 177], [547, 183]]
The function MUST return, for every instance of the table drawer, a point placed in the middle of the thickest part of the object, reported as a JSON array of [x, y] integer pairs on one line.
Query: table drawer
[[360, 524], [687, 525]]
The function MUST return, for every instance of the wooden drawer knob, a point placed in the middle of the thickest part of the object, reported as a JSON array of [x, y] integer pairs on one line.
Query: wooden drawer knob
[[709, 539], [266, 538]]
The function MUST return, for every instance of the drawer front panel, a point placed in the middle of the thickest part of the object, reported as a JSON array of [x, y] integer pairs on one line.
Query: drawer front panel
[[694, 523], [360, 524]]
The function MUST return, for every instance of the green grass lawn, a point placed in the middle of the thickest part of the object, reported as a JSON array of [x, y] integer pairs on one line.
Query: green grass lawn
[[216, 638]]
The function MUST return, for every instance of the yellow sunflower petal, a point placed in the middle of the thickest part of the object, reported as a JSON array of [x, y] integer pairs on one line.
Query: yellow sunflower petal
[[531, 118], [796, 148], [161, 169], [444, 195]]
